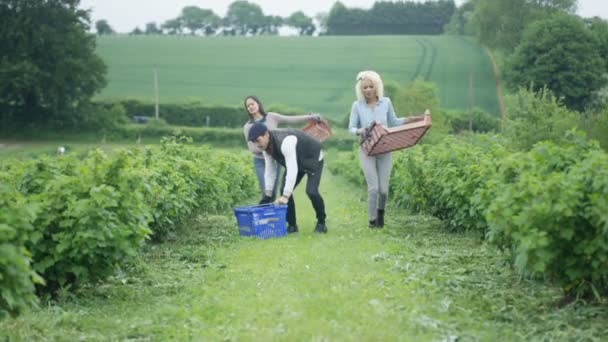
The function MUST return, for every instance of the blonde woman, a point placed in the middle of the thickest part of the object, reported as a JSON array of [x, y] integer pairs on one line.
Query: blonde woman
[[257, 114], [371, 105]]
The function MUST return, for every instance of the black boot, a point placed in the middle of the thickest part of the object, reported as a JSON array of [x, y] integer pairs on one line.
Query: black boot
[[292, 229], [380, 219], [321, 228], [373, 224]]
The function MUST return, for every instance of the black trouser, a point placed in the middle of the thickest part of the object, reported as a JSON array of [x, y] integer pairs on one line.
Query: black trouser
[[312, 190]]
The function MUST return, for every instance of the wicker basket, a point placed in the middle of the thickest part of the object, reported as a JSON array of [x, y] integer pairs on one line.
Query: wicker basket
[[318, 130], [382, 140]]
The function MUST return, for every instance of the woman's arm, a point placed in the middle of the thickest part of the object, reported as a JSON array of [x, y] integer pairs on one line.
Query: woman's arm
[[288, 119], [392, 118], [353, 122]]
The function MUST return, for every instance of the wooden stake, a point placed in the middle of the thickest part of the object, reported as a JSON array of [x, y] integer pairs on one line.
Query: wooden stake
[[471, 102], [155, 93]]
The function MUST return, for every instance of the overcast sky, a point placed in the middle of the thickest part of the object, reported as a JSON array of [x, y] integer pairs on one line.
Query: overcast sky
[[125, 15]]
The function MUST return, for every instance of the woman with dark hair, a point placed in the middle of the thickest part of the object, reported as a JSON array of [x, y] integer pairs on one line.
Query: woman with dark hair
[[257, 114]]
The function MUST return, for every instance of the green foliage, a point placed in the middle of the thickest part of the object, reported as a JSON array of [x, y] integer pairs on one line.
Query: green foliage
[[599, 30], [501, 24], [302, 22], [420, 282], [346, 164], [481, 121], [103, 27], [94, 212], [533, 117], [460, 23], [187, 114], [48, 67], [17, 279], [181, 179], [595, 124], [216, 136], [441, 179], [414, 98], [548, 208], [387, 17], [92, 216], [245, 17], [559, 53], [195, 18], [100, 117]]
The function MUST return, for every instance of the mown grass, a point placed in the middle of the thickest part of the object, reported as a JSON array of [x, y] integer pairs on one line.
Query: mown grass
[[410, 282], [309, 73]]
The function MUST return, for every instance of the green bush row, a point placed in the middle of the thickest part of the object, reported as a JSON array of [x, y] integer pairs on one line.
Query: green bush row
[[74, 219], [440, 179], [546, 207]]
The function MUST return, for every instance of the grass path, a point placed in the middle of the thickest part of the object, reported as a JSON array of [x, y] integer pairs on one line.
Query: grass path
[[410, 282]]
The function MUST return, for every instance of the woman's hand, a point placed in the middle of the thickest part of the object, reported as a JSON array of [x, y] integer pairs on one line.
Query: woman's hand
[[418, 117], [315, 116]]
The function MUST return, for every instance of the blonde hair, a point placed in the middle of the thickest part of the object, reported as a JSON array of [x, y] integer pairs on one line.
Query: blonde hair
[[376, 80]]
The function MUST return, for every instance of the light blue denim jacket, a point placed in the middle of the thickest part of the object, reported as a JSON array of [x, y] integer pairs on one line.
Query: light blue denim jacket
[[361, 115]]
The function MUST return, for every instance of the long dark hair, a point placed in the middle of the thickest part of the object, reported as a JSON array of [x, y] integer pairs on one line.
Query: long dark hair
[[254, 98]]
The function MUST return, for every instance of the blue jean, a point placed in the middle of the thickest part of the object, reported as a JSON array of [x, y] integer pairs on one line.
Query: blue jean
[[259, 166]]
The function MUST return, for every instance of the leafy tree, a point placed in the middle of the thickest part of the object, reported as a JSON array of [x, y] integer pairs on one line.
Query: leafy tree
[[391, 18], [272, 24], [152, 28], [599, 29], [173, 26], [338, 20], [136, 31], [302, 22], [245, 17], [103, 27], [500, 24], [322, 21], [460, 23], [48, 66], [195, 18], [561, 54]]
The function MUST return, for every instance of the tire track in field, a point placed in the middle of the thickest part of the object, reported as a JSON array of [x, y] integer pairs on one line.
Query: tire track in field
[[421, 60], [427, 76]]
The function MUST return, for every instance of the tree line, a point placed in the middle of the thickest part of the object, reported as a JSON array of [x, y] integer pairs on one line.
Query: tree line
[[242, 18], [245, 18], [406, 17]]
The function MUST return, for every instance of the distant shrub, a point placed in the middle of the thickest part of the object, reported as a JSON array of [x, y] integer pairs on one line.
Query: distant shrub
[[481, 122], [595, 124], [532, 117]]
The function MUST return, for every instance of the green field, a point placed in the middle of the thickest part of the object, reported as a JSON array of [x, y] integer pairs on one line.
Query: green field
[[308, 73]]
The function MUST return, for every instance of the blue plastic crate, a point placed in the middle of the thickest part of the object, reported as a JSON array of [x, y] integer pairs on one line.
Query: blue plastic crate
[[262, 221]]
